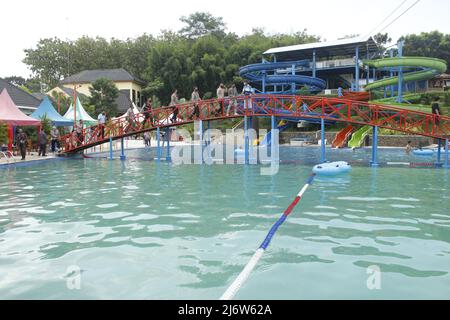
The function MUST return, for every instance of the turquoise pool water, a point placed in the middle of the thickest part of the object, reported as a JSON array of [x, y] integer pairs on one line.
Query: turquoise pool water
[[146, 230]]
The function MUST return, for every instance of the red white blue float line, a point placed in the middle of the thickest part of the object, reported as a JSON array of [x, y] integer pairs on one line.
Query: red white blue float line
[[245, 273]]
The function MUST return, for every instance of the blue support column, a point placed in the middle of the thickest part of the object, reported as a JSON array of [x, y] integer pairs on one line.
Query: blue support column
[[110, 148], [293, 83], [322, 139], [122, 150], [400, 73], [357, 69], [273, 125], [168, 144], [368, 68], [446, 155], [158, 144], [246, 142], [314, 65], [374, 162], [439, 158], [391, 73]]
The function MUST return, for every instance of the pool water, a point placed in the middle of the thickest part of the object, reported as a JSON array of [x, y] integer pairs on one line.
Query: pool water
[[147, 230]]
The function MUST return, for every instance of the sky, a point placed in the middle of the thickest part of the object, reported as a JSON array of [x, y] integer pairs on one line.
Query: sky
[[23, 23]]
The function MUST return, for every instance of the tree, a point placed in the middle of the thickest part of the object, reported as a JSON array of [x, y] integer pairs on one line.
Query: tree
[[382, 39], [428, 44], [202, 23], [103, 96]]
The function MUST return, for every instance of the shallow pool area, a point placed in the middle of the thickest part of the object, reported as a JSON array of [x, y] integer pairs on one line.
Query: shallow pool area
[[140, 229]]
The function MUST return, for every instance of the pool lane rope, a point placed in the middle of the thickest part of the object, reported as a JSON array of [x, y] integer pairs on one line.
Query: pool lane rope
[[245, 273]]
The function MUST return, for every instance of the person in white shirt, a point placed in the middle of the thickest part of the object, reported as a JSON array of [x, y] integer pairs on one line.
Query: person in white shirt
[[221, 98], [232, 93], [195, 98], [101, 124], [247, 91]]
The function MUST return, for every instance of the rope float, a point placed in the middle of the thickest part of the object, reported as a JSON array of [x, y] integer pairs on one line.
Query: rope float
[[245, 273]]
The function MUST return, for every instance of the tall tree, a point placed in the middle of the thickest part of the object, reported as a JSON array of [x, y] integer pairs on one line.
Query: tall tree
[[428, 44], [202, 23], [103, 96]]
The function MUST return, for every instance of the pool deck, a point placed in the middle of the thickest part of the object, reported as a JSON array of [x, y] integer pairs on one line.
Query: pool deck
[[29, 159]]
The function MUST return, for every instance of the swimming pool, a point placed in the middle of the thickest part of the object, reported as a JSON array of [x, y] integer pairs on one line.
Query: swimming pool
[[147, 230]]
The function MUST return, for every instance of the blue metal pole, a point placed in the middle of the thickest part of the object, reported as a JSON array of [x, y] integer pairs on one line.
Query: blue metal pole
[[374, 162], [122, 150], [158, 144], [439, 163], [110, 148], [168, 144], [273, 127], [314, 65], [246, 144], [357, 69], [322, 138], [368, 68], [446, 155], [293, 83], [201, 142], [391, 73], [400, 73]]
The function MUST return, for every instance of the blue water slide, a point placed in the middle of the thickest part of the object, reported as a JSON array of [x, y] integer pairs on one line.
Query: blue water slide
[[277, 73]]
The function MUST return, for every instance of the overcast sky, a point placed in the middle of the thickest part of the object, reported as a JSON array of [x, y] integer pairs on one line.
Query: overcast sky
[[23, 23]]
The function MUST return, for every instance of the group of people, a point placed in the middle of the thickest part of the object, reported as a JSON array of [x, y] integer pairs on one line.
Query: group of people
[[225, 97], [22, 142]]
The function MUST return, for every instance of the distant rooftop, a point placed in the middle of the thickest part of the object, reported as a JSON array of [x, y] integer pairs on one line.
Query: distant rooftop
[[87, 76], [345, 47], [20, 97]]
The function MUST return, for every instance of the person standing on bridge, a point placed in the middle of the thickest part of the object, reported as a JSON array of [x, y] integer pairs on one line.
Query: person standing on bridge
[[247, 91], [130, 118], [173, 103], [195, 98], [436, 110], [232, 93], [79, 132], [101, 124], [148, 112], [221, 99]]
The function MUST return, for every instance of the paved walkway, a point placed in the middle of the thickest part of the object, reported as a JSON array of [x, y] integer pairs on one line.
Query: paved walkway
[[32, 157]]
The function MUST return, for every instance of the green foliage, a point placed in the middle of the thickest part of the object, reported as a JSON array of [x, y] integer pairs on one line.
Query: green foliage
[[199, 24], [46, 124], [428, 44], [103, 96], [64, 102], [3, 133]]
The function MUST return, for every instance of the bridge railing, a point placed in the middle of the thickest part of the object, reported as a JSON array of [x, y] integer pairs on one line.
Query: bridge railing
[[282, 106]]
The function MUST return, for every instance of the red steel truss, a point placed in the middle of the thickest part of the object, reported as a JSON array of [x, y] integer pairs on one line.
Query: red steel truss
[[290, 107]]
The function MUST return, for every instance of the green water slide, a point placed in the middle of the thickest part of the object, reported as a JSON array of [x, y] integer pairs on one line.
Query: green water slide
[[431, 66], [358, 137]]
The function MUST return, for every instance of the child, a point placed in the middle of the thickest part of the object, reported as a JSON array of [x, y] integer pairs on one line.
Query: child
[[408, 148]]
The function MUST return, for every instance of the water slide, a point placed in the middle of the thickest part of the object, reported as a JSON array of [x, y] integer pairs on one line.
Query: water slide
[[255, 73], [358, 137], [342, 136], [431, 67]]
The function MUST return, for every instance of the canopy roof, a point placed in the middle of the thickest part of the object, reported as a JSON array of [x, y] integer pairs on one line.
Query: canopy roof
[[46, 109], [11, 114], [344, 47], [81, 114]]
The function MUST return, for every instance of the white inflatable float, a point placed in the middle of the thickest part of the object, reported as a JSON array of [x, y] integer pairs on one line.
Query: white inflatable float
[[423, 152], [332, 168]]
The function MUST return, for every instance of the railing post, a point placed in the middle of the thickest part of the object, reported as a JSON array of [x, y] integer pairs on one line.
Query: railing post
[[158, 144], [446, 165], [168, 144], [122, 150], [110, 148], [246, 142], [322, 138], [374, 162], [439, 162]]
